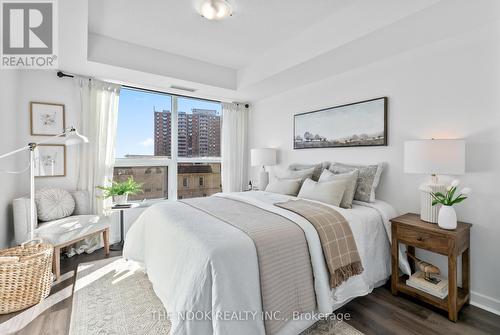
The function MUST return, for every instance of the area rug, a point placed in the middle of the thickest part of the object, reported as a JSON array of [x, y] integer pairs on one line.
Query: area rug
[[112, 296]]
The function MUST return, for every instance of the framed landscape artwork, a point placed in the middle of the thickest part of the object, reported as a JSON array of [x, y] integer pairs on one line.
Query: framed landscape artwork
[[47, 119], [50, 160], [358, 124]]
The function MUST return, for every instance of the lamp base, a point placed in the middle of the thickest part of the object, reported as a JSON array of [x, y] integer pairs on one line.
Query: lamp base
[[428, 212], [263, 179]]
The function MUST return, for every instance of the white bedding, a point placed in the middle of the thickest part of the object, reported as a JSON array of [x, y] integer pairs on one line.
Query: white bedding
[[199, 263]]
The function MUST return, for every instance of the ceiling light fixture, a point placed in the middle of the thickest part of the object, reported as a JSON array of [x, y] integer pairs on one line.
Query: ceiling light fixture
[[215, 9]]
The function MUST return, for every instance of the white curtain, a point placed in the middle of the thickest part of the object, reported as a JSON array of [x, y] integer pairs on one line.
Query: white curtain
[[234, 147], [99, 121]]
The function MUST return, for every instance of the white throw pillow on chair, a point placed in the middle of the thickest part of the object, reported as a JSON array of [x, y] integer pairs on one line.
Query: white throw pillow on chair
[[53, 204]]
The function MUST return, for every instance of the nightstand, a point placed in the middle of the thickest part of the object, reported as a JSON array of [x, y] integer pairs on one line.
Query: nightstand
[[415, 233]]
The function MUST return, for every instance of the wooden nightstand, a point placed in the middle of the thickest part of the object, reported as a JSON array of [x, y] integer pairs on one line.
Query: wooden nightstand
[[415, 233]]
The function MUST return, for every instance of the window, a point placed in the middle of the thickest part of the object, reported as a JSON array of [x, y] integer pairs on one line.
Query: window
[[145, 138]]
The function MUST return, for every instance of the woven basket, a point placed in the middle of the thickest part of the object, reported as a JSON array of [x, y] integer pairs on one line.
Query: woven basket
[[25, 275]]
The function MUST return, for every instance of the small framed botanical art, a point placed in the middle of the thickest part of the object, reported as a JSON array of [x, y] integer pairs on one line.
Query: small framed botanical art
[[47, 119], [50, 160]]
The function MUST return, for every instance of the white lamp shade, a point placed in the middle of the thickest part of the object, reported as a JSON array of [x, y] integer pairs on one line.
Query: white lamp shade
[[263, 157], [74, 137], [435, 157]]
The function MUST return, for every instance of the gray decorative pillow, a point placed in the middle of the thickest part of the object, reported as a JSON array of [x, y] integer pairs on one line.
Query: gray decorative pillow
[[329, 192], [294, 174], [318, 168], [284, 186], [350, 179], [368, 179], [53, 204]]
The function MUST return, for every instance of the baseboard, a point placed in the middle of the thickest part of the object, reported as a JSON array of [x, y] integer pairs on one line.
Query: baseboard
[[484, 302]]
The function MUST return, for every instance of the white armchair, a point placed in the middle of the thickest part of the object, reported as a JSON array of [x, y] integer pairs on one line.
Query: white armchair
[[62, 232]]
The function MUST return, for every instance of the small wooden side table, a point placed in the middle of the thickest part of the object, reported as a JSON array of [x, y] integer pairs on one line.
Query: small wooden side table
[[415, 233]]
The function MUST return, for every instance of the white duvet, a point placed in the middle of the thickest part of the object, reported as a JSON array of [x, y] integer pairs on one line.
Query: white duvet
[[206, 274]]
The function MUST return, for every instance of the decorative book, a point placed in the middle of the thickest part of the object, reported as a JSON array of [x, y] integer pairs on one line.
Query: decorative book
[[438, 287]]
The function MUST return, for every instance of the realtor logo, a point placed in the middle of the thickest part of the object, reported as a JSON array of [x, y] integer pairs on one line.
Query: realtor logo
[[29, 34]]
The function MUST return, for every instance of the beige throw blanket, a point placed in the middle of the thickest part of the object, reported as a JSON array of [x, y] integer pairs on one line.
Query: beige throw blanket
[[285, 269], [337, 241]]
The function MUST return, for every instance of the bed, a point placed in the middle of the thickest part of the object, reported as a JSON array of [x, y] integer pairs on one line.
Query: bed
[[206, 272]]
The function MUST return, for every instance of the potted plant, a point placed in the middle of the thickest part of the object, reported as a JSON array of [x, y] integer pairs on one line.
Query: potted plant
[[119, 191], [447, 218]]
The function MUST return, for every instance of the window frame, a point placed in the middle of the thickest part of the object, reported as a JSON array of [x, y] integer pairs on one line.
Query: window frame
[[170, 163]]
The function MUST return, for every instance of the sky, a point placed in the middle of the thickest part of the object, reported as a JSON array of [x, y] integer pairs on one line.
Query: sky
[[341, 122], [136, 119]]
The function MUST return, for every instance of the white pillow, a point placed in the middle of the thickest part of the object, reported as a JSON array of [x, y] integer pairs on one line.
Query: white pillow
[[53, 204], [284, 186], [350, 178], [329, 192]]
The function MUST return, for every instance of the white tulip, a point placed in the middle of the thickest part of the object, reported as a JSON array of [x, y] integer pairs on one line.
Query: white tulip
[[426, 189], [466, 190], [455, 183]]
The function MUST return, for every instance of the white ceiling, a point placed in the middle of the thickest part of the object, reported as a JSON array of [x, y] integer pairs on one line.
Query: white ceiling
[[174, 26], [267, 47]]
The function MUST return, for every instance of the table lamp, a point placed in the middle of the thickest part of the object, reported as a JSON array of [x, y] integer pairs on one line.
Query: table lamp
[[433, 157], [263, 157]]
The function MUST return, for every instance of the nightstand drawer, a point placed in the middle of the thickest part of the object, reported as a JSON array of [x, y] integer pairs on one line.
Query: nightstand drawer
[[423, 240]]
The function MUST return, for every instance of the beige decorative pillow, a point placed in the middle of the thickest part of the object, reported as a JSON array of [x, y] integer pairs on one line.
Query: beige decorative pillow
[[350, 179], [329, 192], [284, 186], [368, 179]]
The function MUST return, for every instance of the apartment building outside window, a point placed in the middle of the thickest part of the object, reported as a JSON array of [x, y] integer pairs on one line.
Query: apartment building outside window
[[149, 123]]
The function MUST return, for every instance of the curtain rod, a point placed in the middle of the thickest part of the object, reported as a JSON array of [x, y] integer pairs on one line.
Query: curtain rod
[[61, 74]]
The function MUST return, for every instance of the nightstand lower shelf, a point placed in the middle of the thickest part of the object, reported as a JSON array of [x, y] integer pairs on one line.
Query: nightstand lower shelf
[[462, 295]]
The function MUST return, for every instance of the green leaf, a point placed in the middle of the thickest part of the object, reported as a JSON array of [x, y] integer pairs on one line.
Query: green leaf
[[459, 200], [435, 202], [439, 195], [129, 186]]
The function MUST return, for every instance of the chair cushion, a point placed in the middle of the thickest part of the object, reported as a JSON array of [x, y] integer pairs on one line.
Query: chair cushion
[[53, 204], [70, 228], [82, 202]]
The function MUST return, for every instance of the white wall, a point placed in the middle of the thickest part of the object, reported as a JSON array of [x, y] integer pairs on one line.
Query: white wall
[[449, 89], [11, 185], [45, 86]]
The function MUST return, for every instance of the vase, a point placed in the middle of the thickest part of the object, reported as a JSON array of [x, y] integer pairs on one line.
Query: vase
[[120, 199], [447, 218]]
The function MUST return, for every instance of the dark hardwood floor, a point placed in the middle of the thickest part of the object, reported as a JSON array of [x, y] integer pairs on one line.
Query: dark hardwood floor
[[377, 313]]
